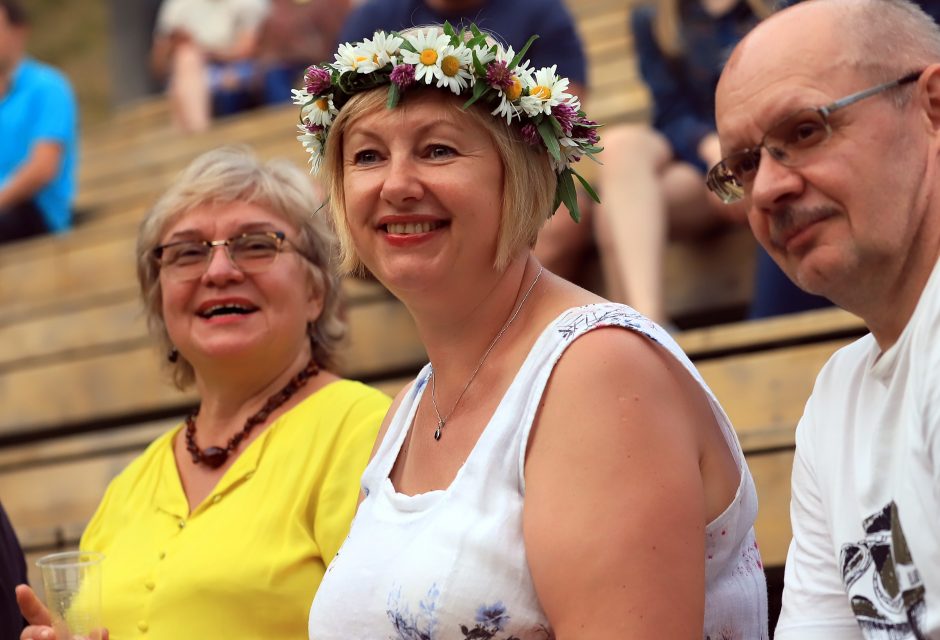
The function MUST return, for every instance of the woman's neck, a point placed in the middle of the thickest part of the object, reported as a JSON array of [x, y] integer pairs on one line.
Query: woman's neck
[[230, 395], [457, 332]]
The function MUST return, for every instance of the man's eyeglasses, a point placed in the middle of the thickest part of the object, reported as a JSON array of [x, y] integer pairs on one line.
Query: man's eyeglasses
[[249, 252], [788, 142]]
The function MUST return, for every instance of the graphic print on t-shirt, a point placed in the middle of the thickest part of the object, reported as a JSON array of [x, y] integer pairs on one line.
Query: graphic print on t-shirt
[[884, 586]]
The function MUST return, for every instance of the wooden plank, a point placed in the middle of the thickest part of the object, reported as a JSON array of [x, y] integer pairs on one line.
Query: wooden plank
[[771, 332], [709, 273], [764, 393], [123, 377], [139, 141], [771, 472]]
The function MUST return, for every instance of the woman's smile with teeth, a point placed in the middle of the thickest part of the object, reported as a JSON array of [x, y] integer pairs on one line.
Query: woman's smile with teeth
[[226, 309], [406, 228]]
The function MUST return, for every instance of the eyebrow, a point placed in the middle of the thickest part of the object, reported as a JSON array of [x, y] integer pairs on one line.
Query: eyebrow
[[247, 227]]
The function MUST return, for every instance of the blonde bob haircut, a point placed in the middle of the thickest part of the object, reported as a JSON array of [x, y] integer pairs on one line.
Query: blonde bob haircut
[[234, 174], [529, 180]]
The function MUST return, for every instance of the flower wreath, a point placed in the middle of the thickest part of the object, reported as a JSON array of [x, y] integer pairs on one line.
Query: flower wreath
[[466, 62]]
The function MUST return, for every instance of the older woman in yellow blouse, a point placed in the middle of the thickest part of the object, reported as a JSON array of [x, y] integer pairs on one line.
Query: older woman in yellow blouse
[[224, 526]]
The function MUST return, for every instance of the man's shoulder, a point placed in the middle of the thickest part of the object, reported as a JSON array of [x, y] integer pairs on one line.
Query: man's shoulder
[[846, 363], [43, 75]]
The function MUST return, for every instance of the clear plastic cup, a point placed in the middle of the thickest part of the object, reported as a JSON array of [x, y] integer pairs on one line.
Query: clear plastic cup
[[72, 583]]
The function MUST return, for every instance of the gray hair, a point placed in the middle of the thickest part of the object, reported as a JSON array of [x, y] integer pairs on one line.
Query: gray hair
[[232, 174]]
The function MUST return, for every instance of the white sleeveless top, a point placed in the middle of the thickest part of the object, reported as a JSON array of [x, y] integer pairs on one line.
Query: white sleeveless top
[[451, 564]]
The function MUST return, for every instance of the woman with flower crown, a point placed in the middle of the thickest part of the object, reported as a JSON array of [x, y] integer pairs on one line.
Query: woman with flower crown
[[559, 469]]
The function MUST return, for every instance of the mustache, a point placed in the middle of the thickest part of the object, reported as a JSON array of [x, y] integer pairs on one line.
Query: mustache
[[789, 220]]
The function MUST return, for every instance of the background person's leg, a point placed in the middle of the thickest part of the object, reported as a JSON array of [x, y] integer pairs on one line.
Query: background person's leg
[[189, 89], [21, 221]]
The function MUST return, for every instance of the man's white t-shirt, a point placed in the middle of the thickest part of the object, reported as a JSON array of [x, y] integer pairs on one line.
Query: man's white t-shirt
[[865, 557]]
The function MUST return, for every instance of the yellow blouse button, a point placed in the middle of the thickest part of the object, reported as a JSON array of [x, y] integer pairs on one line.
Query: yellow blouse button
[[249, 475], [182, 523], [150, 585], [143, 627], [162, 555], [217, 498]]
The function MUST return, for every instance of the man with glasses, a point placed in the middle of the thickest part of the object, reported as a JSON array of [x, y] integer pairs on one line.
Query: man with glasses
[[829, 120]]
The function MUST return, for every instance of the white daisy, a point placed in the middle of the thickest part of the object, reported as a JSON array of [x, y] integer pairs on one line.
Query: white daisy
[[430, 47], [455, 68], [547, 90], [349, 58], [486, 53], [509, 106], [379, 51], [321, 111], [300, 96], [313, 144]]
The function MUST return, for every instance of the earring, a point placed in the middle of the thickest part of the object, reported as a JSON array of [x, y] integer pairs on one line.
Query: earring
[[172, 355]]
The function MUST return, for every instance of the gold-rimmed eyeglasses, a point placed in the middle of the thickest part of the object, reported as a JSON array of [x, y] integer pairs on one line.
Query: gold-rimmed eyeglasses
[[249, 253], [788, 142]]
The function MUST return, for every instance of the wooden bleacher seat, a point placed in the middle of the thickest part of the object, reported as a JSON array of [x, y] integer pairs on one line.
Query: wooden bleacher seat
[[80, 381]]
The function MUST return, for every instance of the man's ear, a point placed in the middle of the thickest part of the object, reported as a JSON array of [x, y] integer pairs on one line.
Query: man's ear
[[929, 85]]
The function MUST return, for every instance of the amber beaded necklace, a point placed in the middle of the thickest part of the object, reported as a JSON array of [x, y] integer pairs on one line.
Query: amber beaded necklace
[[215, 457]]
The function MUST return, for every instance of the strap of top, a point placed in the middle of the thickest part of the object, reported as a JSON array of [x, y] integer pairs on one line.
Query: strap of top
[[509, 428]]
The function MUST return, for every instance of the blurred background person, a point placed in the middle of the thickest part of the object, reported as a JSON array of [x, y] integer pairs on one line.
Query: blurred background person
[[652, 180], [239, 509], [207, 51], [296, 32], [38, 136]]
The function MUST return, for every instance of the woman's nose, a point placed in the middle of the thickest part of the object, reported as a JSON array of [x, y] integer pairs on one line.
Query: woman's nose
[[402, 181], [220, 267]]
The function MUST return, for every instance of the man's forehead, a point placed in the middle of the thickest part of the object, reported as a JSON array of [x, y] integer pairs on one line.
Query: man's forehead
[[789, 61]]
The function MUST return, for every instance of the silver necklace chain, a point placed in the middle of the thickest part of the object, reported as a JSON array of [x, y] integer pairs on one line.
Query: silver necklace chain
[[442, 420]]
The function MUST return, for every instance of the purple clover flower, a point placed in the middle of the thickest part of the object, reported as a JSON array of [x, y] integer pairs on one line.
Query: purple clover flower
[[531, 134], [499, 76], [317, 80], [566, 116], [312, 127], [585, 129], [403, 75]]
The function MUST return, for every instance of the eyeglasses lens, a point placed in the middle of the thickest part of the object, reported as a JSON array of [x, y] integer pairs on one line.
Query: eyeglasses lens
[[251, 253], [787, 141]]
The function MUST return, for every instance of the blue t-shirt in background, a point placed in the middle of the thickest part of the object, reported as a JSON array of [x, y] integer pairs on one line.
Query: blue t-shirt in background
[[40, 107], [512, 21]]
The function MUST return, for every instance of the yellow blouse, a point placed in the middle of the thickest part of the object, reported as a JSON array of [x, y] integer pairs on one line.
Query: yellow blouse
[[247, 561]]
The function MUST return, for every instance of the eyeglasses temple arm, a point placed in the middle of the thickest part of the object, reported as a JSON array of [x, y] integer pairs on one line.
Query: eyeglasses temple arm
[[861, 95]]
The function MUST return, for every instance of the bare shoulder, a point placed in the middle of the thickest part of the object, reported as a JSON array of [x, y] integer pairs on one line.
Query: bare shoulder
[[623, 390], [618, 361], [615, 448]]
